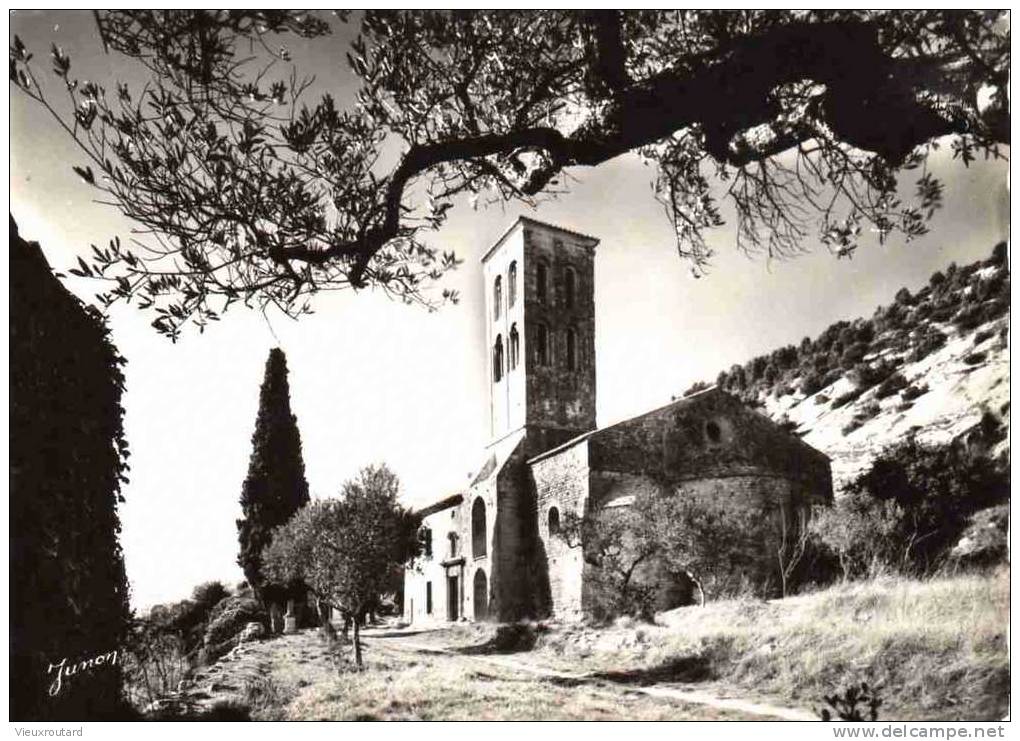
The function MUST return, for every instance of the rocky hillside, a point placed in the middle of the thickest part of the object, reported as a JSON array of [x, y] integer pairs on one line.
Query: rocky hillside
[[935, 363]]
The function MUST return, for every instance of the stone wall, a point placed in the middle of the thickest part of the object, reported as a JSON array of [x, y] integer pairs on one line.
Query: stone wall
[[709, 445], [557, 397], [709, 435], [561, 483]]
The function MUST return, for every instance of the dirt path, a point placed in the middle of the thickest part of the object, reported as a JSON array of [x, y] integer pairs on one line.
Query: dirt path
[[300, 677], [394, 641]]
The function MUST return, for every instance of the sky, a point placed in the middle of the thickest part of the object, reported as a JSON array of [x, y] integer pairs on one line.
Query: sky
[[373, 380]]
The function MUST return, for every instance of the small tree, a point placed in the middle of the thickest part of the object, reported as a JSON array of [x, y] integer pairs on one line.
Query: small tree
[[616, 541], [716, 544], [346, 550], [275, 487], [792, 543]]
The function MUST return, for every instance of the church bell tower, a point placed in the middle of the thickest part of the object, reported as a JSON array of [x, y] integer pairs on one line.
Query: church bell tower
[[540, 331]]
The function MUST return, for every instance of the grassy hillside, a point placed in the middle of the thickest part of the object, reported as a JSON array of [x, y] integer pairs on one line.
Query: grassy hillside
[[937, 647], [935, 362]]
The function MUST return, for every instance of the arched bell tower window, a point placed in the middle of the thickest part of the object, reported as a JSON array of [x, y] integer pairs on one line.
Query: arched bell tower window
[[511, 284], [497, 296], [571, 350], [541, 281], [478, 539], [497, 359], [515, 347], [541, 345], [569, 287]]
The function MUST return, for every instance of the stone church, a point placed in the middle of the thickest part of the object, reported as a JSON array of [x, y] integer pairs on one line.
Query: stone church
[[491, 550]]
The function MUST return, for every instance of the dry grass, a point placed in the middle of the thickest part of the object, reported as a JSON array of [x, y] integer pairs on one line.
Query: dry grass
[[445, 688], [937, 647]]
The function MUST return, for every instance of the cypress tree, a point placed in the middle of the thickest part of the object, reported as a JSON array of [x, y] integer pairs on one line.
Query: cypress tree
[[275, 487]]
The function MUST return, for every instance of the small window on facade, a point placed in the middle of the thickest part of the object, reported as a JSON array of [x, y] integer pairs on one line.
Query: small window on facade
[[571, 350], [569, 287], [713, 432], [497, 359], [541, 345], [515, 347], [425, 536], [454, 545], [554, 521], [511, 284], [541, 281], [497, 296], [428, 598]]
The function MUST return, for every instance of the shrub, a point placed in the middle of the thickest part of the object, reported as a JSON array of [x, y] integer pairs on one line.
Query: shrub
[[811, 384], [974, 358], [927, 343], [985, 334], [854, 424], [994, 309], [912, 392], [866, 375], [849, 396], [862, 415], [1000, 255], [968, 317], [154, 664], [265, 699], [853, 354], [209, 594], [851, 704], [227, 621], [891, 385], [822, 398], [787, 425], [832, 376], [908, 509]]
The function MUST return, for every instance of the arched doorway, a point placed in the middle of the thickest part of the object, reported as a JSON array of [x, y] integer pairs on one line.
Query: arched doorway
[[481, 595]]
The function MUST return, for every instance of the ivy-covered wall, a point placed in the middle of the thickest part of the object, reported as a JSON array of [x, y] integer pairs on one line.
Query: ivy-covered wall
[[69, 594]]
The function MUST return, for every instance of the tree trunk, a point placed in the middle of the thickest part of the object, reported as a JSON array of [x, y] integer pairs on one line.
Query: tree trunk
[[357, 643], [697, 583], [326, 620]]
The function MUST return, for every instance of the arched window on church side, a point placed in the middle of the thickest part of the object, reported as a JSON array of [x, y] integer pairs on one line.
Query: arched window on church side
[[569, 287], [541, 345], [571, 350], [479, 546], [497, 296], [515, 347], [497, 359], [511, 284], [541, 281]]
